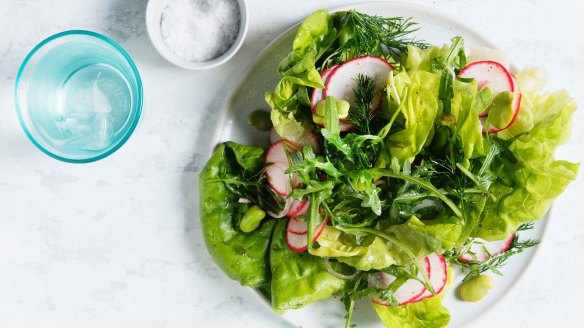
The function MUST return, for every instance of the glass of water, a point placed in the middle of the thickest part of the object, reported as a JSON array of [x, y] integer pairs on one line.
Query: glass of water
[[78, 96]]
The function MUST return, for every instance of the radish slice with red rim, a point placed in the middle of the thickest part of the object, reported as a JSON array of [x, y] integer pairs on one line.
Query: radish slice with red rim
[[490, 74], [276, 154], [296, 226], [299, 242], [516, 107], [284, 210], [296, 242], [298, 207], [437, 273], [278, 180], [408, 292], [483, 250], [342, 80], [308, 139], [317, 94]]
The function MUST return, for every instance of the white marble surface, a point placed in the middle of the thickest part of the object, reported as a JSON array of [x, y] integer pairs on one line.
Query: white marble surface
[[117, 243]]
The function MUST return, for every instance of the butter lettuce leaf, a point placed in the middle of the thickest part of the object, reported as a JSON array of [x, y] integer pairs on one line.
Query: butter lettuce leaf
[[298, 70], [420, 238], [298, 279], [527, 184], [425, 237], [429, 313], [419, 110], [464, 124], [371, 253], [242, 256]]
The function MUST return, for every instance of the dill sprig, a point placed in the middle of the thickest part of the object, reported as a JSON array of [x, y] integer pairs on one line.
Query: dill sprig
[[375, 35], [362, 115], [493, 263]]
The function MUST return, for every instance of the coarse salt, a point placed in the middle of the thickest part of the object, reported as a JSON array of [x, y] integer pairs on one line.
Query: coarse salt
[[200, 30]]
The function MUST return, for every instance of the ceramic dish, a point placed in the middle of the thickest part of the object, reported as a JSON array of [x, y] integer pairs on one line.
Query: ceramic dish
[[153, 17], [436, 28]]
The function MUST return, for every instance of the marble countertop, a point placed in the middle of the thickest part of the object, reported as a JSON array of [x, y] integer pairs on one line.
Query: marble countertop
[[117, 243]]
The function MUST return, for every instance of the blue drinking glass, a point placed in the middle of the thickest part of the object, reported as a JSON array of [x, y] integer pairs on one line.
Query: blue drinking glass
[[78, 96]]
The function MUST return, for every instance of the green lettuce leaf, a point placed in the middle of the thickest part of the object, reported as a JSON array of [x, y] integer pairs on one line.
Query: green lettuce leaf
[[528, 183], [299, 72], [371, 253], [428, 313], [421, 238], [419, 110], [531, 83], [425, 237], [466, 105], [527, 199], [298, 279], [242, 256], [422, 59]]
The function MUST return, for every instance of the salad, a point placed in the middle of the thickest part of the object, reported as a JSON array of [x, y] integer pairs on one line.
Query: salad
[[393, 165]]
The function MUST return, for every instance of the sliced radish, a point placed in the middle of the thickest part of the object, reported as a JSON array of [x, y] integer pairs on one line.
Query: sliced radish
[[297, 227], [408, 292], [342, 80], [317, 94], [488, 73], [284, 210], [437, 273], [484, 249], [299, 242], [516, 108], [296, 242], [276, 154], [298, 207], [278, 180]]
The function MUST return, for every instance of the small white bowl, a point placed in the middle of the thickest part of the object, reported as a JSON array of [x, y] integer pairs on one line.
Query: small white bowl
[[153, 16]]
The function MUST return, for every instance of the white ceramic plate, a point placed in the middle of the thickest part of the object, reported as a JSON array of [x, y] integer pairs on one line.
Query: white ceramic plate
[[436, 28]]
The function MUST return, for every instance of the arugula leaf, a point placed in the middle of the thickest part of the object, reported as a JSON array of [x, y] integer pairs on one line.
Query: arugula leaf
[[446, 67]]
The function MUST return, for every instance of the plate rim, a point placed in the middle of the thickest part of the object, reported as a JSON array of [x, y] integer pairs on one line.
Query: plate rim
[[433, 12]]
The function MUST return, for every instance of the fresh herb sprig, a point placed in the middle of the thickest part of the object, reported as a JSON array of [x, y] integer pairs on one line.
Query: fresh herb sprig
[[495, 262], [362, 115], [373, 35], [255, 190]]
